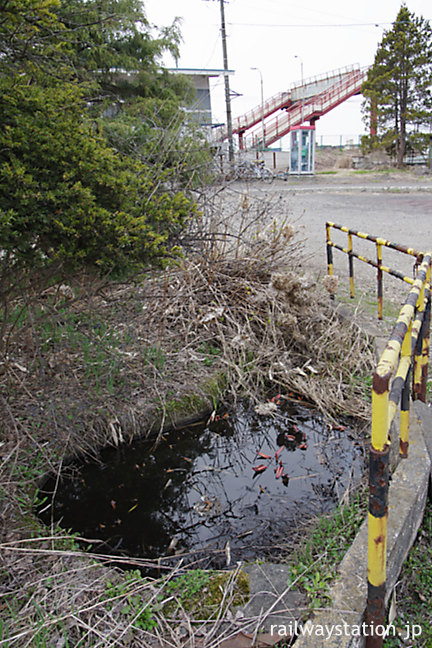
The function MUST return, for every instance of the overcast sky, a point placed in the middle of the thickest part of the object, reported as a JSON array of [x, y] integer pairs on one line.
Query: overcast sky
[[269, 34]]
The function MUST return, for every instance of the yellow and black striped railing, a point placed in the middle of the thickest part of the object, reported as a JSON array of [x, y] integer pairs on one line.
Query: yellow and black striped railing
[[401, 374], [407, 351], [378, 264]]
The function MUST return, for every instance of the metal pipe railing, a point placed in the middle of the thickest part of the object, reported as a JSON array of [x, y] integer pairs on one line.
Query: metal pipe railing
[[401, 374], [407, 351], [378, 264]]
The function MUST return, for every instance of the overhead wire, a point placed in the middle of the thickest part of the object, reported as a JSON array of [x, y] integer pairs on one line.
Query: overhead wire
[[244, 24], [283, 11]]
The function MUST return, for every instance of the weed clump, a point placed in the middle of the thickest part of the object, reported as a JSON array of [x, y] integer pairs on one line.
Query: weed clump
[[97, 362]]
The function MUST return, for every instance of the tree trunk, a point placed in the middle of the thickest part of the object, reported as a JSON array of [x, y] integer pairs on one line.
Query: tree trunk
[[401, 148], [402, 126], [403, 110]]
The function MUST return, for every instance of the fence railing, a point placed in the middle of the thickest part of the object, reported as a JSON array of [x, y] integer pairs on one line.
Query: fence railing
[[401, 374], [378, 264], [407, 350]]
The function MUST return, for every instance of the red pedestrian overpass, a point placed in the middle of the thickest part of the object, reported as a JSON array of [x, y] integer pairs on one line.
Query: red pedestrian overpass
[[304, 102]]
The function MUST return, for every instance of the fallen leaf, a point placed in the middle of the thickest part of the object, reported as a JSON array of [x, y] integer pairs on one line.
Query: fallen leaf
[[228, 553], [172, 545], [392, 613], [264, 456], [278, 453], [259, 468]]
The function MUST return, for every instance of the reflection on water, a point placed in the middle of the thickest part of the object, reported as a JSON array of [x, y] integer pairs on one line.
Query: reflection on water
[[244, 480]]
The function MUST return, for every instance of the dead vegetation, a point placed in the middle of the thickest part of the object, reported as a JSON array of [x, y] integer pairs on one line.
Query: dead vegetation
[[89, 363]]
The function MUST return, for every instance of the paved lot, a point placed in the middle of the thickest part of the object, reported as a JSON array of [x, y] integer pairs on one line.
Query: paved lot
[[396, 206]]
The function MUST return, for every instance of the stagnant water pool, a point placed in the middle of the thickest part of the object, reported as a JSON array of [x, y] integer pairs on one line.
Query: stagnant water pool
[[227, 489]]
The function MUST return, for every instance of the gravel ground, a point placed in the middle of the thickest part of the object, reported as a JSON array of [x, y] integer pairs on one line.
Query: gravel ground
[[395, 205]]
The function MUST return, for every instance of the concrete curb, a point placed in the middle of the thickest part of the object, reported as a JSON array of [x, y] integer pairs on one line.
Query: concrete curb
[[340, 625]]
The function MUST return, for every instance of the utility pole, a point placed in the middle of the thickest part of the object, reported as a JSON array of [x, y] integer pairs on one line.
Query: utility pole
[[227, 87], [226, 81]]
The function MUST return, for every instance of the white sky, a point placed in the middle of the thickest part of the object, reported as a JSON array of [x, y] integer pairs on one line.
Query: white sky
[[268, 34]]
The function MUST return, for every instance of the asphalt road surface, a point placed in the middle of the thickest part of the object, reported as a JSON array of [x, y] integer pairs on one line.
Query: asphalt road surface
[[396, 206]]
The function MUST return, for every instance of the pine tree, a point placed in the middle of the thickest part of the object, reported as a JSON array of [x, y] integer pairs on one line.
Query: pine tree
[[68, 199], [398, 88]]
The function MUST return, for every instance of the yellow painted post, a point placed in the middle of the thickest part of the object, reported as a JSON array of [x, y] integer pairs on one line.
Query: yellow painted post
[[405, 397], [329, 250], [425, 335], [419, 347], [329, 255], [379, 280], [378, 495], [351, 265], [379, 455]]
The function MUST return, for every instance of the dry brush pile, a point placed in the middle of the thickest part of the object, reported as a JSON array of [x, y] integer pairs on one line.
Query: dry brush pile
[[97, 362]]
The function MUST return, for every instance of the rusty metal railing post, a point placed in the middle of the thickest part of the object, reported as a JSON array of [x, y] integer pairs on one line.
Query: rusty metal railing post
[[418, 387], [406, 356], [405, 417], [351, 265], [425, 337], [379, 280], [417, 366], [378, 263], [329, 251], [394, 365], [329, 254], [378, 509]]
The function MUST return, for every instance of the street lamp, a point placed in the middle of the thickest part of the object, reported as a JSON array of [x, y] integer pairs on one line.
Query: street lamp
[[302, 99], [262, 105]]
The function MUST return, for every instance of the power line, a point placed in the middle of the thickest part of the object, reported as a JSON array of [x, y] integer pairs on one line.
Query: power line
[[282, 11], [241, 24]]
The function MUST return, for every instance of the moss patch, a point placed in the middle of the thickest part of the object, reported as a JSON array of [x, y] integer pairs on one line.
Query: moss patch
[[203, 592]]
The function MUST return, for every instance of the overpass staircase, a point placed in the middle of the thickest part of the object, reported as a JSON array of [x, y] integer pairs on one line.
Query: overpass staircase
[[307, 101]]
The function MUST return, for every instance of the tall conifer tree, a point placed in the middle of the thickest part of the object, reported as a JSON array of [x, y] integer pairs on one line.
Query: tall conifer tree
[[398, 88]]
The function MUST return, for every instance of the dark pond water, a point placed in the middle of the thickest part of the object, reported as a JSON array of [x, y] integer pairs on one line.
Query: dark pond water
[[206, 488]]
